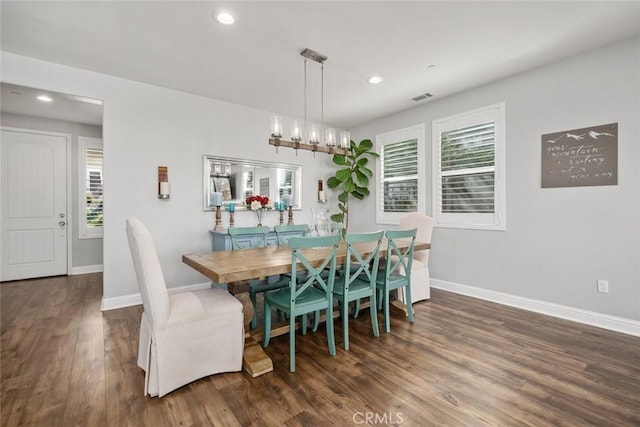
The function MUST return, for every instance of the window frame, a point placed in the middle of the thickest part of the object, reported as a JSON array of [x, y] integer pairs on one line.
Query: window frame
[[84, 232], [477, 221], [416, 132]]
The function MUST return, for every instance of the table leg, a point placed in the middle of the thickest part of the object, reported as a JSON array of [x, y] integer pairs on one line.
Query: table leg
[[255, 360]]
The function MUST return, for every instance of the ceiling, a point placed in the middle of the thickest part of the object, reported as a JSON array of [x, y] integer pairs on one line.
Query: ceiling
[[417, 47], [23, 100]]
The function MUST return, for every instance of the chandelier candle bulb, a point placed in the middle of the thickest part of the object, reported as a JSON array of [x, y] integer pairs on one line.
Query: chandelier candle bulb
[[314, 134], [276, 127], [345, 139], [330, 137], [296, 131]]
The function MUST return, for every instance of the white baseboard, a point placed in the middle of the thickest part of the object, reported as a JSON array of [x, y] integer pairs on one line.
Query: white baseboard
[[85, 269], [605, 321], [136, 299]]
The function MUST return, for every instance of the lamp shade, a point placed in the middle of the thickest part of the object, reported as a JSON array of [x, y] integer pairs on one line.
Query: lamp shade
[[276, 127], [345, 139], [314, 134], [330, 137], [296, 131]]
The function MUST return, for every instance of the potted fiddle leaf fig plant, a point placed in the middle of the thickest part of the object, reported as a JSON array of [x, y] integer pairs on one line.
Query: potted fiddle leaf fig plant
[[352, 178]]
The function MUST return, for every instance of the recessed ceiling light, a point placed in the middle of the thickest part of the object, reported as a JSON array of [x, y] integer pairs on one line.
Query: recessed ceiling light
[[44, 98], [374, 80], [225, 18]]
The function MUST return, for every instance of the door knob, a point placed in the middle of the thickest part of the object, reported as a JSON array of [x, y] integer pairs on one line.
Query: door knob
[[62, 223], [61, 215]]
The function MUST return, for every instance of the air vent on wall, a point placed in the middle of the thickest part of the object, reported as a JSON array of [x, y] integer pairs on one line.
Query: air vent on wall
[[421, 97]]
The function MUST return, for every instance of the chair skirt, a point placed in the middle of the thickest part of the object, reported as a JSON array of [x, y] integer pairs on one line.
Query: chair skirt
[[185, 351]]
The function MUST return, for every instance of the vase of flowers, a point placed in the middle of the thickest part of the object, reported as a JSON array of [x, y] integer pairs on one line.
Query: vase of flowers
[[258, 204]]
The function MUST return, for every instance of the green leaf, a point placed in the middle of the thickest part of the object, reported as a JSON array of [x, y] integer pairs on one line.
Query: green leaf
[[342, 207], [339, 217], [361, 177], [343, 175], [339, 159], [333, 182], [357, 195], [366, 144], [349, 186], [366, 171], [363, 161], [343, 197], [362, 190], [364, 147]]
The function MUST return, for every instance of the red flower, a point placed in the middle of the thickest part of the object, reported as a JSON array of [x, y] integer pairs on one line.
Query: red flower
[[262, 199]]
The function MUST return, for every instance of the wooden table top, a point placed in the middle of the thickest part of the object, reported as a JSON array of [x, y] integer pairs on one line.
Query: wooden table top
[[245, 264]]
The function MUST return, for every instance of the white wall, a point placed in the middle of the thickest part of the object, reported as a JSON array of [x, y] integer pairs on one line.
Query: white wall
[[145, 127], [559, 241], [85, 252]]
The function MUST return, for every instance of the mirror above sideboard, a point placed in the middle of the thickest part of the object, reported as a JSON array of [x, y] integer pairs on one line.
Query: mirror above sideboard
[[238, 179]]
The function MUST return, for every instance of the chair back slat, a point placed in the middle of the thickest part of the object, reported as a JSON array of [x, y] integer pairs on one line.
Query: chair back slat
[[312, 275], [366, 265], [259, 237], [397, 257]]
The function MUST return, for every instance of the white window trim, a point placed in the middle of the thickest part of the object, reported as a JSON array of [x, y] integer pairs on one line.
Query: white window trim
[[496, 220], [416, 132], [85, 142]]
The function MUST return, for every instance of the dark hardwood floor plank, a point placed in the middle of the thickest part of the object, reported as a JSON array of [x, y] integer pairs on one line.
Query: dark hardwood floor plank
[[464, 362]]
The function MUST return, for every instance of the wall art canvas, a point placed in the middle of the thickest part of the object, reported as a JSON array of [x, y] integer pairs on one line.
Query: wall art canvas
[[264, 187], [580, 157]]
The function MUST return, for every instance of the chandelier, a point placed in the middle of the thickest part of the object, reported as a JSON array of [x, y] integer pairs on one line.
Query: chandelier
[[312, 132]]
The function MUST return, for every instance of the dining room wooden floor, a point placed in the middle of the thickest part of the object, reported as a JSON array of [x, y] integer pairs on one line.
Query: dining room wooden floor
[[464, 362]]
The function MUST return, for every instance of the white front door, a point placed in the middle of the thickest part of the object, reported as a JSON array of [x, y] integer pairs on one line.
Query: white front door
[[33, 205]]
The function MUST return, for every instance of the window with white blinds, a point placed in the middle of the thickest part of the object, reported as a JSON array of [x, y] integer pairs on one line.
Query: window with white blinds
[[469, 169], [91, 187], [400, 175], [285, 183]]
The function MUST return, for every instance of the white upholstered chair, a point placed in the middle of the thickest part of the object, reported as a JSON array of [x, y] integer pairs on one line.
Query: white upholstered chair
[[420, 285], [183, 336]]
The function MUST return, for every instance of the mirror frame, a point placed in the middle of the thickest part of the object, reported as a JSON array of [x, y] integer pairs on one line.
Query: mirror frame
[[208, 159]]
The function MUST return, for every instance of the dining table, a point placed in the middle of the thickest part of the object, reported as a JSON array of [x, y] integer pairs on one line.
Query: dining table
[[238, 266]]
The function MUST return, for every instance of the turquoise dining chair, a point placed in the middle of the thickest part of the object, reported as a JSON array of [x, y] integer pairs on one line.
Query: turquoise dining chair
[[248, 237], [300, 299], [397, 271], [254, 237], [358, 280], [285, 231]]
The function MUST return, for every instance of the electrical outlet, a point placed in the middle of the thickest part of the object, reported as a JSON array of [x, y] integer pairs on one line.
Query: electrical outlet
[[603, 286]]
